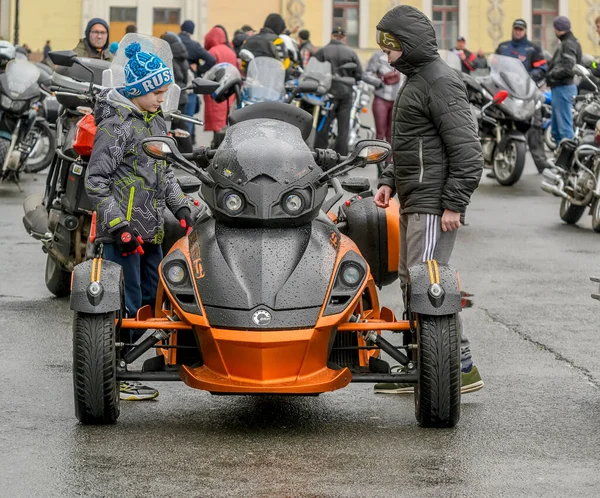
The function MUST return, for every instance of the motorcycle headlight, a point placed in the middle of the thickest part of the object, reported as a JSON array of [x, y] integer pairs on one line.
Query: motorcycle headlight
[[19, 105], [175, 274], [233, 203], [293, 203], [5, 102], [351, 274]]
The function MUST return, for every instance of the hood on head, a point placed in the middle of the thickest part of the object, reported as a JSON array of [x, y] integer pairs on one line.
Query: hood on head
[[416, 35], [96, 20], [214, 37], [276, 23], [177, 46]]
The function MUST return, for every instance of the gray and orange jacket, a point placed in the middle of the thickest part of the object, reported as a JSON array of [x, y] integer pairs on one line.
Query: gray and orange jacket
[[125, 185]]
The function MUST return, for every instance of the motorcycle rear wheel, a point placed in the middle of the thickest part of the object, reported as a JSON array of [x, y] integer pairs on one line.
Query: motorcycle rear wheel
[[509, 170], [43, 152], [4, 146], [570, 213]]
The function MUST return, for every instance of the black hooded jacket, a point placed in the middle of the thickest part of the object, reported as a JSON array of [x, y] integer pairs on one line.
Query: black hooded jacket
[[437, 155], [263, 44]]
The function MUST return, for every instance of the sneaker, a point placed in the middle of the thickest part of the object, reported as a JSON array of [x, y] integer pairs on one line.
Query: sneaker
[[470, 381], [136, 391]]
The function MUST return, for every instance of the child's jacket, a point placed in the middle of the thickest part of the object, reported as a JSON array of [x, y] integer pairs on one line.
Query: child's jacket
[[125, 184]]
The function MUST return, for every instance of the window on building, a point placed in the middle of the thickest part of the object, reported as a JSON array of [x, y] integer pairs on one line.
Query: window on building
[[120, 18], [345, 14], [166, 20], [445, 22], [542, 31]]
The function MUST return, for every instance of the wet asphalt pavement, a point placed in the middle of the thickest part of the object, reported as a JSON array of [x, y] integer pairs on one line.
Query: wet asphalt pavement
[[533, 430]]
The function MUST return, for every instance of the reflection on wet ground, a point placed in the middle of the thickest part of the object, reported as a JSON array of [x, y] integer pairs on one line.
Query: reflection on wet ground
[[466, 299]]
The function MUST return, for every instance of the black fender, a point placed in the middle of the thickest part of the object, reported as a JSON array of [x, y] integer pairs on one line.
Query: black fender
[[434, 289], [98, 271]]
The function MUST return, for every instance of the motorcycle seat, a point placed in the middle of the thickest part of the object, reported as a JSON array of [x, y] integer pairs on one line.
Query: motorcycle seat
[[275, 110]]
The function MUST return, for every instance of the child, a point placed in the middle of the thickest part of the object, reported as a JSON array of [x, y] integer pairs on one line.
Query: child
[[130, 189]]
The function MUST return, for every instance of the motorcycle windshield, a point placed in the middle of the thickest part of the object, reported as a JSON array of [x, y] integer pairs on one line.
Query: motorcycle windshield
[[265, 148], [265, 80], [20, 76], [319, 72], [510, 74], [114, 76]]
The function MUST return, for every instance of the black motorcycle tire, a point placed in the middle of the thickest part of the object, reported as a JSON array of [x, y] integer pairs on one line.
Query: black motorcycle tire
[[58, 280], [517, 171], [44, 132], [4, 146], [437, 393], [596, 215], [569, 213], [95, 386]]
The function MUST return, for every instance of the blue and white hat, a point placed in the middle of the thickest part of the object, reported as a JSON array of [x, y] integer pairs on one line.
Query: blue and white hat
[[145, 72]]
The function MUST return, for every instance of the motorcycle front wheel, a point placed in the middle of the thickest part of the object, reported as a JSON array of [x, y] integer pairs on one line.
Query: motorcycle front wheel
[[43, 151], [596, 215], [508, 168]]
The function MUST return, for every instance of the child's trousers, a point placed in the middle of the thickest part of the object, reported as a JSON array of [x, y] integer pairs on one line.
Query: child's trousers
[[141, 277]]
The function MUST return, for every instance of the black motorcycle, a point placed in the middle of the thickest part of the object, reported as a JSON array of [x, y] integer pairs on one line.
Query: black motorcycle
[[61, 218], [20, 126], [503, 127]]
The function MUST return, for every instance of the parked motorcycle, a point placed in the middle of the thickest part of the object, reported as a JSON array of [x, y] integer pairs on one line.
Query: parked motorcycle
[[502, 129], [20, 127], [575, 175], [268, 295], [61, 218]]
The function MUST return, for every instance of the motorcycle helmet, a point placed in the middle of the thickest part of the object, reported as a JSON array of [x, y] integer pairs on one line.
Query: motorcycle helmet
[[7, 51], [229, 78]]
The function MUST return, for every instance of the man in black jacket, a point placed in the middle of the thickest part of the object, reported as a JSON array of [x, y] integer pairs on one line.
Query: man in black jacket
[[200, 61], [181, 65], [338, 54], [437, 155], [560, 79], [267, 42]]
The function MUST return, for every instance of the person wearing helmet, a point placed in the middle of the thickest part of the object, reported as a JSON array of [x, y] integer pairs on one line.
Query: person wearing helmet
[[95, 43], [216, 42]]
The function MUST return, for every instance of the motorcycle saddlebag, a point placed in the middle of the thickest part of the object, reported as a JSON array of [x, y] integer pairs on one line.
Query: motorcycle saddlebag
[[75, 199], [376, 232]]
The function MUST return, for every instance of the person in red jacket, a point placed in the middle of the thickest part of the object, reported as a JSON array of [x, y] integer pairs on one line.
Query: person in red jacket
[[215, 115]]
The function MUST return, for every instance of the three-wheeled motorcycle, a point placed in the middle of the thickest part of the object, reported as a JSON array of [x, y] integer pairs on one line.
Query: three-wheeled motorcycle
[[271, 293]]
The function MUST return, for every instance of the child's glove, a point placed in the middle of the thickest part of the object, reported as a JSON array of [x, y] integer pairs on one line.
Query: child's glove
[[128, 241], [184, 215]]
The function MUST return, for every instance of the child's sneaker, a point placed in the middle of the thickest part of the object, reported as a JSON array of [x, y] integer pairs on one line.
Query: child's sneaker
[[136, 391], [470, 381]]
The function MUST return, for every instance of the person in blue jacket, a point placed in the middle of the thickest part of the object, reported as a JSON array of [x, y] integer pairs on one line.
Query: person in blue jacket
[[532, 57]]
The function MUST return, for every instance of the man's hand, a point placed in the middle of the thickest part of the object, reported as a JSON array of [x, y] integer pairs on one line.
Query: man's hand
[[462, 55], [450, 221], [382, 197]]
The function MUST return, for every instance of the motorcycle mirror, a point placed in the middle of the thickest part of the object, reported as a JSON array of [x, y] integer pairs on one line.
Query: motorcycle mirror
[[307, 86], [246, 55], [356, 184], [165, 148], [349, 66], [157, 148], [373, 151], [63, 57], [500, 97], [582, 71], [203, 86]]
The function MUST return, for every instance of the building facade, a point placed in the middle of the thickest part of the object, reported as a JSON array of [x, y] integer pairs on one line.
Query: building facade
[[484, 23]]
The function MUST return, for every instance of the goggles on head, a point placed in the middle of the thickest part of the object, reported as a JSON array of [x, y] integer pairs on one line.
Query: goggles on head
[[387, 40]]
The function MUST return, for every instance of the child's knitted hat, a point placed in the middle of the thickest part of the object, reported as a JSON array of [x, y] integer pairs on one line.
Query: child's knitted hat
[[145, 72]]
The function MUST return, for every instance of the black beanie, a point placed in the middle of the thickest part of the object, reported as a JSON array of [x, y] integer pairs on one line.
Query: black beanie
[[276, 23]]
